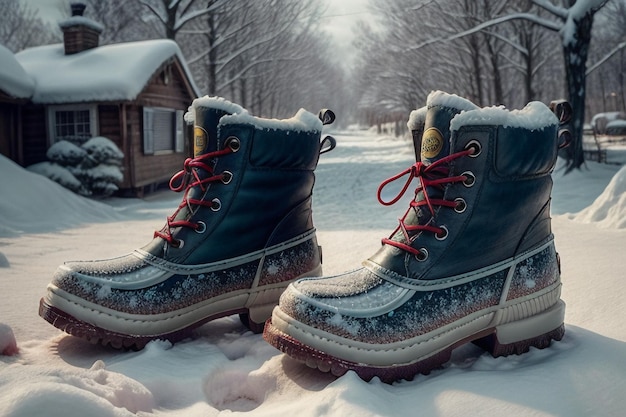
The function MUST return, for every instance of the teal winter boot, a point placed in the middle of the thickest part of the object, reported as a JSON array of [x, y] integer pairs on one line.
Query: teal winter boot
[[472, 259], [242, 232]]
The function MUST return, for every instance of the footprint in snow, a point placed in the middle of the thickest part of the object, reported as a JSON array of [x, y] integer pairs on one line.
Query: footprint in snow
[[238, 387]]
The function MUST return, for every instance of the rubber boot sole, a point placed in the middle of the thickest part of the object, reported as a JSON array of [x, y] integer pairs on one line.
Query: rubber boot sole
[[498, 341], [97, 335]]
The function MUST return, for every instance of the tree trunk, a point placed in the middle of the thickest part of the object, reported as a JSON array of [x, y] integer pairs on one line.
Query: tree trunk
[[575, 51], [212, 64]]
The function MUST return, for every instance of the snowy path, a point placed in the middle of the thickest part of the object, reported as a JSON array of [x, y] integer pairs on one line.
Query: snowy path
[[227, 368]]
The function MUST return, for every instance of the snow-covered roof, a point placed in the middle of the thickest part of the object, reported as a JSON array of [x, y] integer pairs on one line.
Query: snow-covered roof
[[106, 73], [13, 79]]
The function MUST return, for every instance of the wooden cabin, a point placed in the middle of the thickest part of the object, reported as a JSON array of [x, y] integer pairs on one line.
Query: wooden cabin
[[133, 93]]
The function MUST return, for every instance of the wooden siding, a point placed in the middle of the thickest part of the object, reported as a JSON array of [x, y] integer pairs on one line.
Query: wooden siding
[[34, 134], [144, 169], [109, 123], [8, 130], [122, 122]]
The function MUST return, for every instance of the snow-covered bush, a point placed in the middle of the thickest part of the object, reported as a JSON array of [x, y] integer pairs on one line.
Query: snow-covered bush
[[91, 167], [100, 179], [59, 174], [66, 153], [103, 151]]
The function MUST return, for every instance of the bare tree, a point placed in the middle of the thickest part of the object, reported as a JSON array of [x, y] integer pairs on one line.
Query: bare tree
[[122, 21], [260, 54], [606, 82], [21, 27], [573, 23]]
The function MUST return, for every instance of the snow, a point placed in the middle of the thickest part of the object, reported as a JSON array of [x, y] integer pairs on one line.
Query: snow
[[609, 209], [94, 74], [440, 98], [81, 20], [38, 204], [301, 121], [214, 102], [575, 13], [13, 78], [227, 369], [535, 116]]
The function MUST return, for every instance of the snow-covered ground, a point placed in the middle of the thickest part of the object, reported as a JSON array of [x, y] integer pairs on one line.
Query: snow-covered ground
[[225, 369]]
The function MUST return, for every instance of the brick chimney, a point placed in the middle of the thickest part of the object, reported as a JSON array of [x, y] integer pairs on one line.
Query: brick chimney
[[80, 33]]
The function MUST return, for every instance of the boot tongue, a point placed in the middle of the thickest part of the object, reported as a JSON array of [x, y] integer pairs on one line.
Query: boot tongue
[[436, 137], [435, 144], [206, 120]]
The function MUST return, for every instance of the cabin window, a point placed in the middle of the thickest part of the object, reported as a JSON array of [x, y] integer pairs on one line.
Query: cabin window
[[162, 131], [75, 124]]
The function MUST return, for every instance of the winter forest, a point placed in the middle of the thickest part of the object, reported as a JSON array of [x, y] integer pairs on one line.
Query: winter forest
[[491, 51]]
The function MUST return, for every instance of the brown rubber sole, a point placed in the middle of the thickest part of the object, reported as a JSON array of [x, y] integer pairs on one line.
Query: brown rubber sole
[[97, 335], [486, 340]]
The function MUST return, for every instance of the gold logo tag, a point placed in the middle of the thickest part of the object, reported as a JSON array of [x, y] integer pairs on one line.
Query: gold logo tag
[[199, 140], [432, 143]]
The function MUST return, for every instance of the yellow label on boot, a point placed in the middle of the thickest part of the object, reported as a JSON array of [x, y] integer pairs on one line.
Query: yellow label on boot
[[432, 143], [199, 140]]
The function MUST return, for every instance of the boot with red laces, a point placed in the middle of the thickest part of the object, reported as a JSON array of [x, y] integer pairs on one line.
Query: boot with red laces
[[241, 234], [471, 260]]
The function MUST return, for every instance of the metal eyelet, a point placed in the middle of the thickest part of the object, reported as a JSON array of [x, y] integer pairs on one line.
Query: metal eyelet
[[233, 143], [476, 146], [422, 255], [178, 243], [444, 233], [461, 205], [470, 178], [216, 204], [200, 227], [227, 177]]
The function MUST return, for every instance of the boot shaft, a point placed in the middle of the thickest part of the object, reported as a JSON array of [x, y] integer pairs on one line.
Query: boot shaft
[[264, 194], [508, 202], [501, 208]]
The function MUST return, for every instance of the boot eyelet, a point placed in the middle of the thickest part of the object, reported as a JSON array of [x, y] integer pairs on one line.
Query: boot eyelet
[[476, 148], [227, 177], [200, 227], [216, 204], [470, 179], [422, 255], [443, 235], [461, 205], [178, 243], [233, 143]]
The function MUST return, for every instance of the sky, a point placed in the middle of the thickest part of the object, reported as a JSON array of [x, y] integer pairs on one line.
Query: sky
[[48, 9], [338, 20]]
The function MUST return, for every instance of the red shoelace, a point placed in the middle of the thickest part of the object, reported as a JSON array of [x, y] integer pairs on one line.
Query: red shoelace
[[433, 175], [186, 179]]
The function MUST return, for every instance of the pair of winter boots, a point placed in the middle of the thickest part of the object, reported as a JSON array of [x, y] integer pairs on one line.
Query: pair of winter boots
[[471, 260]]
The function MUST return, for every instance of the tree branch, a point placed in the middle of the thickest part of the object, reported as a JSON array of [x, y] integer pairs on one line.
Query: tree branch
[[548, 24], [153, 10], [605, 58], [555, 10]]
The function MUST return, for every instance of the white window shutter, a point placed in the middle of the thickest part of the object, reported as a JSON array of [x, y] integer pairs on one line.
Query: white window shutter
[[179, 135], [148, 131]]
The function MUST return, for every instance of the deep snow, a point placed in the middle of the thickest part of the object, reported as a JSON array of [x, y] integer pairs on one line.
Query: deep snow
[[226, 369]]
